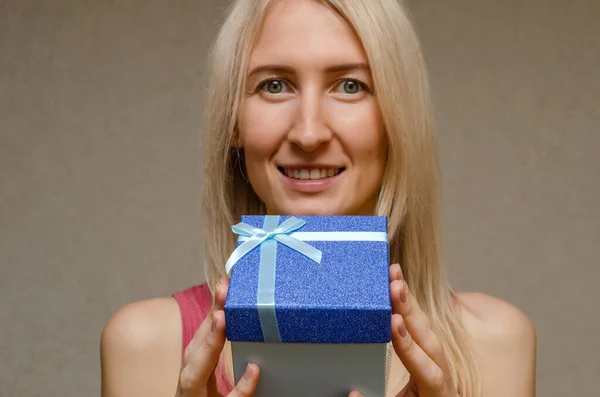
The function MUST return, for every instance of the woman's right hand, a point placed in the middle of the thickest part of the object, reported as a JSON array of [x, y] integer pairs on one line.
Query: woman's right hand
[[197, 378]]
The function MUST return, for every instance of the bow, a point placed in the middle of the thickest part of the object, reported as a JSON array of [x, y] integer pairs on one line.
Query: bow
[[255, 237]]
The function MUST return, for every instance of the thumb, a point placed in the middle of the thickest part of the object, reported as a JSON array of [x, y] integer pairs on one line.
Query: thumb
[[247, 384]]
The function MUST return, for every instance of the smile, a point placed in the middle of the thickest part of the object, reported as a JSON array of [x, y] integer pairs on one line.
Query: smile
[[310, 173]]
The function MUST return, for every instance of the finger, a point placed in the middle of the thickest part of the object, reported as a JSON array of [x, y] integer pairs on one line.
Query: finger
[[395, 272], [427, 374], [416, 321], [211, 387], [204, 355], [355, 393], [221, 293], [410, 389], [197, 340], [248, 382], [219, 303]]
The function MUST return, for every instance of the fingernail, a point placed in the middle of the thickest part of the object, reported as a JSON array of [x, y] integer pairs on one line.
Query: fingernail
[[401, 272], [403, 287], [401, 290], [248, 373], [402, 329]]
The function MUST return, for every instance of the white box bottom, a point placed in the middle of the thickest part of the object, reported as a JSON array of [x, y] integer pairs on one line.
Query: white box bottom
[[315, 370]]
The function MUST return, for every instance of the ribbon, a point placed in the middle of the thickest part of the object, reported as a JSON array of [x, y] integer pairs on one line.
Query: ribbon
[[267, 239], [253, 237]]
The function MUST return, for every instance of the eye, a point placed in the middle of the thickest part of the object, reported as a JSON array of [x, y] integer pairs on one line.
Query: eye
[[351, 87], [273, 86]]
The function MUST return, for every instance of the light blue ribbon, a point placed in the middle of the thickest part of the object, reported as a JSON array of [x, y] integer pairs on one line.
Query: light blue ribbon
[[267, 239], [255, 237]]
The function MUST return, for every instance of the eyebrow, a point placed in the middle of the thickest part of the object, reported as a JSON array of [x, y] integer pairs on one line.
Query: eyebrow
[[329, 70]]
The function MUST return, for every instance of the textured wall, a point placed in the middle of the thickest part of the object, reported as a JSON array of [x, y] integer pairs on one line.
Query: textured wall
[[100, 107]]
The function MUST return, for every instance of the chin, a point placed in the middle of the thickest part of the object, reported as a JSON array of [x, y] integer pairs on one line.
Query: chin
[[313, 211], [312, 207]]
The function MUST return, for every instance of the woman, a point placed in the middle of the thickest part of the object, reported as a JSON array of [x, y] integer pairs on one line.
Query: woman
[[322, 107]]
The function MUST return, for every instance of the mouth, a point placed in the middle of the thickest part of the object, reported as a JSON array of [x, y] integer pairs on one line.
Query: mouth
[[310, 173]]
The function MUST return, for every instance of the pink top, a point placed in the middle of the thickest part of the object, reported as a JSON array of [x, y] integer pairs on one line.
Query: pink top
[[194, 305]]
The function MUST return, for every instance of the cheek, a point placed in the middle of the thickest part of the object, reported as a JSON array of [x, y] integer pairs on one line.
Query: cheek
[[262, 126], [363, 132]]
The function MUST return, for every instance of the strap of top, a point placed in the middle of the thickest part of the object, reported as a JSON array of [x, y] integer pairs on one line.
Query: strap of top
[[194, 305]]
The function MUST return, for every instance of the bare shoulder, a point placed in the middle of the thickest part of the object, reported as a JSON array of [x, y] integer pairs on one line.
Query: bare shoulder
[[141, 349], [504, 342], [494, 320]]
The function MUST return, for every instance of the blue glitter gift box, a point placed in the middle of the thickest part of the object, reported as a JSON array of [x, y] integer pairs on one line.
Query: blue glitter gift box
[[343, 299], [309, 299]]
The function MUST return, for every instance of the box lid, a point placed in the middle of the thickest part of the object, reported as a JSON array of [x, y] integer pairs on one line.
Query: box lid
[[343, 299]]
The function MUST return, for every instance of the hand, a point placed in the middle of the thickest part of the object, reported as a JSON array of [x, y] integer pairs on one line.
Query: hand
[[416, 345], [197, 378]]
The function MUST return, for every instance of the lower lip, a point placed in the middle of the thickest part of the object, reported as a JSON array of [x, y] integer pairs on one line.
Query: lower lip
[[310, 185]]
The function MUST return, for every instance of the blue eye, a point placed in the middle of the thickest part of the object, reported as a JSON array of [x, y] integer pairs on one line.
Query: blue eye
[[351, 87], [273, 86]]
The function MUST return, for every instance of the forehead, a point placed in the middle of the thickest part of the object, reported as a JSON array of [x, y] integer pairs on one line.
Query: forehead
[[299, 32]]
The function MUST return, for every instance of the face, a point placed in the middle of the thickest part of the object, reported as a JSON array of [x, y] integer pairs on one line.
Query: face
[[310, 126]]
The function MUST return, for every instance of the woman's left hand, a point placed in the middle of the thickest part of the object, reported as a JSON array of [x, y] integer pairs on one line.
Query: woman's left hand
[[416, 345]]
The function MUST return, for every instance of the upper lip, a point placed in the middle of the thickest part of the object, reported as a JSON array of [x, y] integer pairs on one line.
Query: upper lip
[[308, 166]]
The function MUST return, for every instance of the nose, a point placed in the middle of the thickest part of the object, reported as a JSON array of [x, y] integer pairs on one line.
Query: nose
[[309, 130]]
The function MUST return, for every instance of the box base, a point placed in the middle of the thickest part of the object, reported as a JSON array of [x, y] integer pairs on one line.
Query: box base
[[319, 370]]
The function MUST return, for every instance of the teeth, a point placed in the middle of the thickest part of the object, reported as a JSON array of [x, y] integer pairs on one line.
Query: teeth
[[314, 173]]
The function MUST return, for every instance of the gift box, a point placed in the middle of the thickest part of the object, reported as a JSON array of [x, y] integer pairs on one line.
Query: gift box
[[309, 302]]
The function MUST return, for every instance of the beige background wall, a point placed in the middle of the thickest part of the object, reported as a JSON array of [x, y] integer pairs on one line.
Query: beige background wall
[[100, 170]]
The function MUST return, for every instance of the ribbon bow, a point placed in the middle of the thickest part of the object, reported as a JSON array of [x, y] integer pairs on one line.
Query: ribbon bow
[[254, 237]]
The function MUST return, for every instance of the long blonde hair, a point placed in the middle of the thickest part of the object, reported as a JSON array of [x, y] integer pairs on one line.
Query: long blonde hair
[[410, 194]]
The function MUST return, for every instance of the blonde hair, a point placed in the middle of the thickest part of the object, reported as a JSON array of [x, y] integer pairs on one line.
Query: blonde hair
[[410, 194]]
